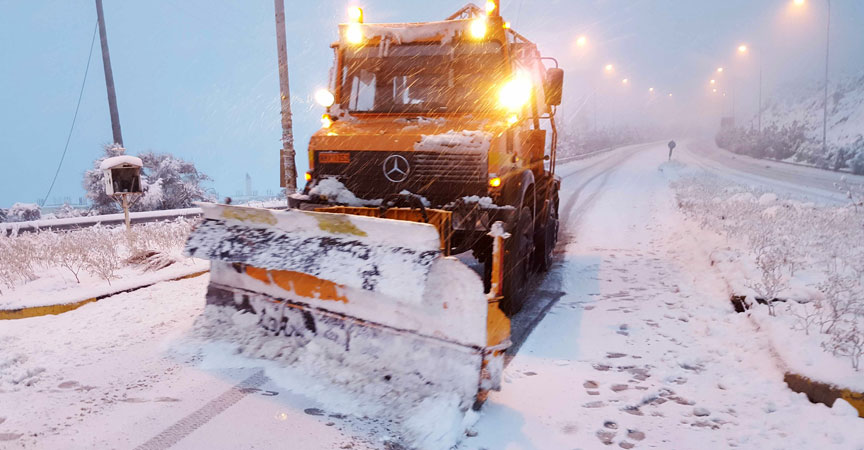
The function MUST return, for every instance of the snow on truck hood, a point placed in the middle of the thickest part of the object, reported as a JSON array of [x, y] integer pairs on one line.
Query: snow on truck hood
[[418, 134]]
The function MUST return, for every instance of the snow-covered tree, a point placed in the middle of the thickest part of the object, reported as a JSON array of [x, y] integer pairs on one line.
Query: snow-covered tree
[[171, 182], [4, 216], [167, 182]]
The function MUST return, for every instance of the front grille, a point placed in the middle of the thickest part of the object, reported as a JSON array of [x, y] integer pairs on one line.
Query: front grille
[[441, 177], [450, 167]]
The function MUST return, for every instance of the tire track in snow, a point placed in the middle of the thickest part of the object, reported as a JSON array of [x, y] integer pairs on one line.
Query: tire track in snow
[[185, 426], [541, 301]]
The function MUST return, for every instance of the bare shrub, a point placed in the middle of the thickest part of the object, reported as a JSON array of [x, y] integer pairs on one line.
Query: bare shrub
[[71, 253], [848, 343], [770, 259], [102, 258]]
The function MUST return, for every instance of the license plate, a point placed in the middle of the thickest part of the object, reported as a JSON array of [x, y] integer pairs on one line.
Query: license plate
[[334, 158]]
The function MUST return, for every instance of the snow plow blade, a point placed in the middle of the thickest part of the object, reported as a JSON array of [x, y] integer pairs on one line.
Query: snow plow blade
[[369, 304]]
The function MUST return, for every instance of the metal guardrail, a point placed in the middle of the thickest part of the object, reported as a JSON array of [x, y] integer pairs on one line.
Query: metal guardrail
[[73, 223], [572, 158]]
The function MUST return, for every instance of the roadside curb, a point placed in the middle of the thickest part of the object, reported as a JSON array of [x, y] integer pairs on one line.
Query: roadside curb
[[36, 311], [824, 393], [816, 391]]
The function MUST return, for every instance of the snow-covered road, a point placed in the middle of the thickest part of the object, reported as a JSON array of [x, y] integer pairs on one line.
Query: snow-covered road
[[643, 348], [809, 182], [634, 343]]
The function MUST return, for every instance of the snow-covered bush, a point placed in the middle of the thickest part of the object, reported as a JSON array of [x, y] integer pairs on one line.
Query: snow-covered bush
[[103, 255], [70, 252], [67, 211], [857, 162], [101, 251], [22, 212], [167, 182]]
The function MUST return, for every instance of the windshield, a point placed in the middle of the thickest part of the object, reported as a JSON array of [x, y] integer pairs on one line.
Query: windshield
[[421, 78]]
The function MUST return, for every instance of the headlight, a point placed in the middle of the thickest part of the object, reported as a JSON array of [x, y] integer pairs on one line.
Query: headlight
[[354, 34], [324, 98], [478, 28], [515, 93]]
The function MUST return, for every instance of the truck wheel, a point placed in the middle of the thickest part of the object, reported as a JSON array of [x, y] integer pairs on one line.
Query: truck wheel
[[517, 262], [547, 238]]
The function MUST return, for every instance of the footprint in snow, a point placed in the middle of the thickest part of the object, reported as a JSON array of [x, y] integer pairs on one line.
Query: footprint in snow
[[68, 385], [590, 384], [636, 435], [597, 404], [606, 436], [10, 436]]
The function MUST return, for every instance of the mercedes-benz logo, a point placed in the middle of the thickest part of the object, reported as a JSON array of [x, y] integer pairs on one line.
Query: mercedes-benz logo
[[396, 168]]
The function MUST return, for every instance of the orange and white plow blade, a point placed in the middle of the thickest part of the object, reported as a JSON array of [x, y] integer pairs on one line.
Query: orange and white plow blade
[[367, 304]]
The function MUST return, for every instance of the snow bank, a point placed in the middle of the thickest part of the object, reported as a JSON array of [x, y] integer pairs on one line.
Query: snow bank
[[805, 254]]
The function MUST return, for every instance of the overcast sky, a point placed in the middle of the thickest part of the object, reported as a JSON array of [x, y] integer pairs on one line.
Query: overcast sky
[[198, 78]]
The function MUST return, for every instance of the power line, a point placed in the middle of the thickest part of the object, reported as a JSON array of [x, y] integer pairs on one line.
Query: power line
[[74, 117]]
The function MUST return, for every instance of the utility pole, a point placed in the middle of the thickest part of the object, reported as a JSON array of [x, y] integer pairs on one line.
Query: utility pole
[[760, 90], [109, 76], [288, 169], [825, 107]]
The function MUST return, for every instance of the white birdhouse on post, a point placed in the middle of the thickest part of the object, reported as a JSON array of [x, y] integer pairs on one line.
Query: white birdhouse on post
[[122, 176]]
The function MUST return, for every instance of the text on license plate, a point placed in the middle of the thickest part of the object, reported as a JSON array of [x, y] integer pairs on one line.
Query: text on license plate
[[334, 158]]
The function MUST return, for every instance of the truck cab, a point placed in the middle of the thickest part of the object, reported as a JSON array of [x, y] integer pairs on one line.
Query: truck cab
[[459, 114]]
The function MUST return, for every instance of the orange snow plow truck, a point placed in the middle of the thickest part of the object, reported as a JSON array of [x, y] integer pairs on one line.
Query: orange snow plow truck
[[438, 139]]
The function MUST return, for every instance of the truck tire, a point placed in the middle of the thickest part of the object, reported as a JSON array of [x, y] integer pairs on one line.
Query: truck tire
[[547, 237], [519, 249]]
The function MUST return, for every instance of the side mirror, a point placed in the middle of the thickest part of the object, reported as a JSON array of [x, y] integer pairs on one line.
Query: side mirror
[[554, 86]]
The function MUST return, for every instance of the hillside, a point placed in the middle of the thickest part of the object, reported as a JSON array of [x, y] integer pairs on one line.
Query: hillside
[[792, 129]]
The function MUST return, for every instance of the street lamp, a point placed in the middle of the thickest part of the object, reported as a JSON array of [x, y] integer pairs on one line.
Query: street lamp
[[827, 61], [744, 49], [609, 68], [581, 41]]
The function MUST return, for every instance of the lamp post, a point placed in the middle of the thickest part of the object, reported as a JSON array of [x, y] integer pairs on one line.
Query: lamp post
[[744, 49], [825, 106], [827, 63]]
